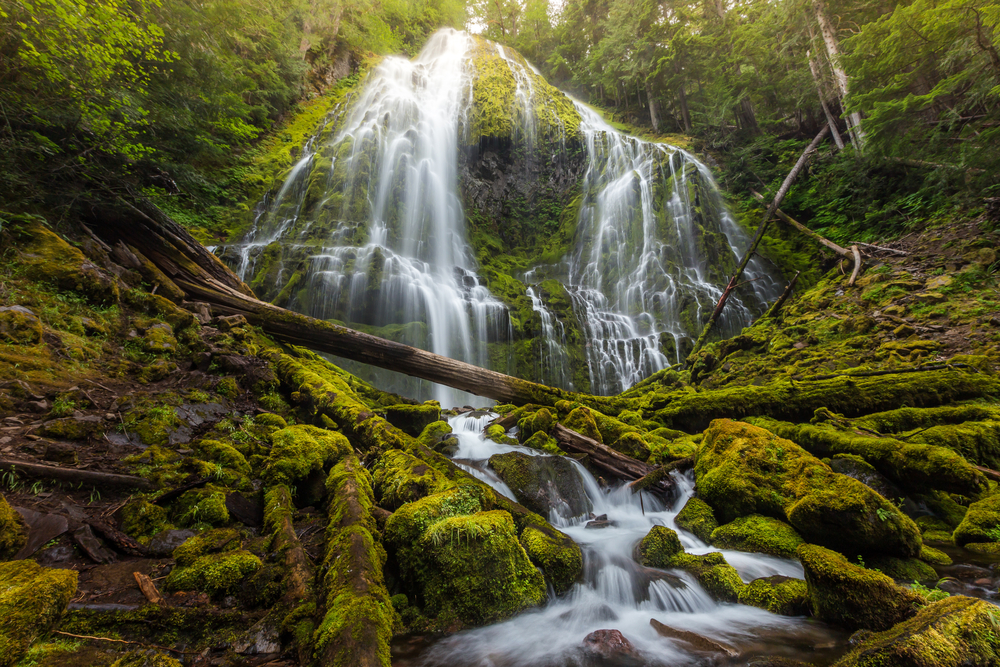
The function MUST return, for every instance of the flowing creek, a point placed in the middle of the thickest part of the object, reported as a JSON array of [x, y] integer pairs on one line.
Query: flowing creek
[[619, 593]]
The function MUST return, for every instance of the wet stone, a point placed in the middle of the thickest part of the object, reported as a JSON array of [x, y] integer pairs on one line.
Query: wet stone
[[164, 542], [611, 645]]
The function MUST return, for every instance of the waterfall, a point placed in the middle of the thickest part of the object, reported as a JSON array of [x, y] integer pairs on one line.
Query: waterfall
[[369, 229]]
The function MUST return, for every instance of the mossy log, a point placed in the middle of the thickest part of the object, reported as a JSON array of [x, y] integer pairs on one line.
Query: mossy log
[[614, 463], [74, 475]]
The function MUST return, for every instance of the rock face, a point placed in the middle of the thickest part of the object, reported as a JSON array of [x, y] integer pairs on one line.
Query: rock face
[[744, 470], [953, 632], [851, 596], [32, 599], [542, 483]]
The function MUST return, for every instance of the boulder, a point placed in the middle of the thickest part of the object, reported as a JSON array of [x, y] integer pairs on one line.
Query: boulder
[[777, 594], [981, 523], [851, 596], [556, 553], [715, 575], [658, 547], [413, 419], [743, 470], [697, 517], [19, 326], [32, 599], [957, 631], [611, 645], [400, 477], [582, 421], [758, 533], [215, 574], [543, 483]]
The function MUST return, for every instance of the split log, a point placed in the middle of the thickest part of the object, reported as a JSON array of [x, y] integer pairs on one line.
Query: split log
[[781, 215], [661, 473], [148, 588], [734, 281], [74, 475], [776, 308], [613, 463]]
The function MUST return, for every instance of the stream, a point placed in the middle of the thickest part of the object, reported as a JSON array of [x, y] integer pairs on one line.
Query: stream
[[619, 593]]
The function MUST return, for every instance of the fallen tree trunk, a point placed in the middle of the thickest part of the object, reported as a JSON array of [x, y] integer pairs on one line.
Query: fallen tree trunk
[[613, 463], [734, 281], [781, 215], [74, 475], [661, 473]]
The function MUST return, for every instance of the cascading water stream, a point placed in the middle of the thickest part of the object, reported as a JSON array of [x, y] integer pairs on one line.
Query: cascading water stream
[[617, 592]]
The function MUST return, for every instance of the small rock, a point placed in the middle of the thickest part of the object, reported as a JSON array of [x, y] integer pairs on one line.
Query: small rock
[[228, 322], [800, 345], [61, 452], [610, 645], [54, 555], [38, 406], [937, 282], [164, 542], [599, 524], [42, 529], [903, 331], [92, 546]]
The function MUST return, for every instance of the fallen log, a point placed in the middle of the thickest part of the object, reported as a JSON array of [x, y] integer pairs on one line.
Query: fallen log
[[608, 460], [878, 248], [784, 217], [734, 281], [857, 265], [989, 472], [661, 473], [74, 475]]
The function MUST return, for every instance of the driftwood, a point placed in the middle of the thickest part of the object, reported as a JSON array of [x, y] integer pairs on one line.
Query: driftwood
[[734, 281], [878, 248], [784, 217], [776, 308], [613, 463], [148, 588], [74, 475], [857, 265], [661, 473]]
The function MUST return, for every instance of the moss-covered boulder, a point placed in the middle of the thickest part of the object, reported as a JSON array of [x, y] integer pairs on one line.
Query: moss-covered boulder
[[220, 573], [19, 326], [852, 596], [542, 483], [632, 444], [777, 594], [902, 569], [141, 518], [933, 556], [218, 540], [437, 538], [981, 522], [146, 659], [201, 507], [159, 339], [413, 419], [32, 599], [400, 478], [582, 421], [697, 517], [224, 454], [658, 546], [715, 575], [744, 469], [539, 421], [13, 532], [556, 553], [957, 631], [758, 533], [297, 451]]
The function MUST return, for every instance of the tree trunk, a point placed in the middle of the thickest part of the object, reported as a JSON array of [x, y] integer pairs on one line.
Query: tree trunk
[[682, 100], [839, 74], [613, 463], [830, 120], [654, 110]]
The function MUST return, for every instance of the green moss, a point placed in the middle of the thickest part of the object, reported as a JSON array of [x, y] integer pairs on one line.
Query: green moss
[[556, 553], [906, 570], [297, 451], [714, 574], [697, 517], [658, 546], [663, 450], [403, 478], [851, 596], [914, 467], [744, 470], [13, 532], [957, 631], [542, 483], [991, 549], [932, 556], [540, 421], [981, 522], [545, 442], [227, 387], [215, 574], [201, 506], [141, 518], [32, 599], [271, 420], [153, 425], [945, 508], [211, 541], [497, 434], [144, 659], [778, 595], [582, 421], [20, 328], [225, 455], [758, 533], [413, 419], [159, 339]]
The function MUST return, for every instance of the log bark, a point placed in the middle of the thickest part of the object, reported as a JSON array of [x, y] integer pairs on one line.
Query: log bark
[[661, 473], [782, 191], [878, 248], [74, 475], [830, 120], [654, 108], [608, 460], [781, 215]]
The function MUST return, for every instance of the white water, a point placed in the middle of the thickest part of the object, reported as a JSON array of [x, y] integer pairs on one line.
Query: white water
[[618, 593]]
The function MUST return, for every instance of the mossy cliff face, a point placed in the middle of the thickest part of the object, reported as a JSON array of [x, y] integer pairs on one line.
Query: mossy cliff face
[[744, 470]]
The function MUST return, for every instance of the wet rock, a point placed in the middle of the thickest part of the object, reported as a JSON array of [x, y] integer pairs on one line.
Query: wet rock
[[261, 638], [953, 632], [19, 326], [610, 645], [54, 555], [92, 546], [543, 483], [597, 525], [698, 642], [851, 596], [658, 547], [32, 599], [758, 533], [413, 419], [697, 517], [248, 511], [163, 543], [715, 575], [555, 552], [778, 595], [61, 452], [864, 472], [73, 428], [42, 529]]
